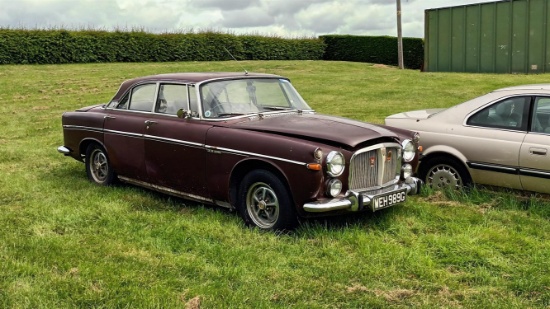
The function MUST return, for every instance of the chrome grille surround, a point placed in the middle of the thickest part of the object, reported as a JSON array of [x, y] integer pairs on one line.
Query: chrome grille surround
[[375, 167]]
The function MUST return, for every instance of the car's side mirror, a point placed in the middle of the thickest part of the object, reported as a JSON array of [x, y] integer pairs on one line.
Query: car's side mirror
[[183, 114]]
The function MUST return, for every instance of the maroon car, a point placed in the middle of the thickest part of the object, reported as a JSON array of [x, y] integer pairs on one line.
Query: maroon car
[[242, 141]]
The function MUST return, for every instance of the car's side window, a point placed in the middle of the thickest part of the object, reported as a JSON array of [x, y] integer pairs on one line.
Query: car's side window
[[171, 98], [541, 115], [122, 104], [511, 113], [142, 98]]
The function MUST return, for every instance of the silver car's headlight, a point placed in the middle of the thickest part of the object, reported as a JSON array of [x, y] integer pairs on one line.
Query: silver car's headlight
[[335, 163], [408, 150]]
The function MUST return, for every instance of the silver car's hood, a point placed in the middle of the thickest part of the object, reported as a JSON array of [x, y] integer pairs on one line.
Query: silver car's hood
[[416, 115]]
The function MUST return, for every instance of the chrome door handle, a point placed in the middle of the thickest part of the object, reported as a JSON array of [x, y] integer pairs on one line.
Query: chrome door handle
[[109, 117], [149, 123], [538, 151]]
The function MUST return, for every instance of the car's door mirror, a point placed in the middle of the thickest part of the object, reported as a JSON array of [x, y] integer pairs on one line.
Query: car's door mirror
[[183, 114]]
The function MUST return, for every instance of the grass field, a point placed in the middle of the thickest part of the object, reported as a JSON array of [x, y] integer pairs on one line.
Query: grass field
[[66, 243]]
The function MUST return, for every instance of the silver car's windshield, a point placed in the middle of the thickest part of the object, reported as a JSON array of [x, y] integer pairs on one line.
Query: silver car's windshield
[[226, 98]]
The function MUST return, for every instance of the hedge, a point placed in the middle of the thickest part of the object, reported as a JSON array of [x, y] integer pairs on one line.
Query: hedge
[[374, 49], [20, 46]]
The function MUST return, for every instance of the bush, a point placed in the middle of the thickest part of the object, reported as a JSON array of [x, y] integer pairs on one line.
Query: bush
[[374, 49], [62, 46]]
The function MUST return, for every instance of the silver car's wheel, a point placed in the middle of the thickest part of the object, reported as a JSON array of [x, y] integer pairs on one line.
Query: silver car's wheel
[[98, 167], [444, 173], [265, 202], [262, 205], [444, 176]]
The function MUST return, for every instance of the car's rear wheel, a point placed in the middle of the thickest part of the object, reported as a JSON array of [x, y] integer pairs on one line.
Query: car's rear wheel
[[264, 202], [444, 172], [98, 167]]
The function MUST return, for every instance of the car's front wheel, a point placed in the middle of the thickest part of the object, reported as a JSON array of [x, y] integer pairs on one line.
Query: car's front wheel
[[265, 202], [443, 172], [98, 167]]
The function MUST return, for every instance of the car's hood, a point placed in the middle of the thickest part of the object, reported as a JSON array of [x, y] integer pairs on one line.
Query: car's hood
[[321, 127], [416, 115]]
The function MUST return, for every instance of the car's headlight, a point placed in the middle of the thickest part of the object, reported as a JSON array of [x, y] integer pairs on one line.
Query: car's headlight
[[335, 163], [408, 150], [334, 187]]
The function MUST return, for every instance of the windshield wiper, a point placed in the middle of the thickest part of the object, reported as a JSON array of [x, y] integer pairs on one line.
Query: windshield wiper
[[229, 114], [276, 108]]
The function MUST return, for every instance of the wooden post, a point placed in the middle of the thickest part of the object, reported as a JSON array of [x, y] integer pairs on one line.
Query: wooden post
[[399, 36]]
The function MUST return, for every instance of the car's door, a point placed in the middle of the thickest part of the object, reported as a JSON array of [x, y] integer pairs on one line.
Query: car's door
[[535, 150], [494, 138], [174, 147], [124, 128]]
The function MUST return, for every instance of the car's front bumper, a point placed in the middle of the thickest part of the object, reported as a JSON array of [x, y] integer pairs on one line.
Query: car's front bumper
[[64, 150], [374, 199]]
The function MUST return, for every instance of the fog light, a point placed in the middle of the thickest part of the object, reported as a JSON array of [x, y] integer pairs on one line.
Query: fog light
[[334, 187], [406, 171]]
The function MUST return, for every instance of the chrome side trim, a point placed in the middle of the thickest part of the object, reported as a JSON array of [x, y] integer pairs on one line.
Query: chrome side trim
[[534, 173], [123, 133], [493, 167], [172, 141], [209, 148], [215, 149], [173, 192], [82, 128]]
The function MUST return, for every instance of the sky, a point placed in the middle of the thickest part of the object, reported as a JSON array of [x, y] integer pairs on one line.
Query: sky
[[284, 18]]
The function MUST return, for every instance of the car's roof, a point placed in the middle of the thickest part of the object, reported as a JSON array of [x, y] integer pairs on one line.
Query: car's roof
[[196, 77], [188, 77], [545, 87]]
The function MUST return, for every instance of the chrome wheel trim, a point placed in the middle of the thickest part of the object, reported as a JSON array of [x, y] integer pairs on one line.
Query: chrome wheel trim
[[444, 176], [99, 166], [262, 205]]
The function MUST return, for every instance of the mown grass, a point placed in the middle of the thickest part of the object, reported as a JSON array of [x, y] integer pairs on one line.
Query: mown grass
[[67, 243]]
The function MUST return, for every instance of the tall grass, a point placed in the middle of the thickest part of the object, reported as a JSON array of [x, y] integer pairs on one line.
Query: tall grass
[[67, 243]]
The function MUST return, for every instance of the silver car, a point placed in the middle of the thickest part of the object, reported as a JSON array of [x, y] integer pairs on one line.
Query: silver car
[[500, 139]]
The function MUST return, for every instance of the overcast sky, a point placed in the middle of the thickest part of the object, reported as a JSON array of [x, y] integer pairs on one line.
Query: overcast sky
[[287, 18]]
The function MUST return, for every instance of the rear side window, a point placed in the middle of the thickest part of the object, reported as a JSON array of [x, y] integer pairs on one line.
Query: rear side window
[[541, 115], [143, 97]]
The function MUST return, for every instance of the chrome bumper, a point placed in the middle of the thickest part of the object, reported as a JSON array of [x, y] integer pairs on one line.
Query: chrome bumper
[[64, 150], [356, 201]]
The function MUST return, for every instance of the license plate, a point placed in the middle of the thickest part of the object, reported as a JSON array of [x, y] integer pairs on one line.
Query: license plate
[[388, 200]]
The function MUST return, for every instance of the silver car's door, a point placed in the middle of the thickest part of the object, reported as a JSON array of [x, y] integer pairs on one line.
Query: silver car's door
[[535, 151], [494, 138]]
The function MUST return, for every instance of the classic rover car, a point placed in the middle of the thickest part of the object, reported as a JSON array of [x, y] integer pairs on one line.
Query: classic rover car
[[499, 139], [243, 141]]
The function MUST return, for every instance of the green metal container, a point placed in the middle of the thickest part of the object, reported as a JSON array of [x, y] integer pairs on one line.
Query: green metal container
[[510, 36]]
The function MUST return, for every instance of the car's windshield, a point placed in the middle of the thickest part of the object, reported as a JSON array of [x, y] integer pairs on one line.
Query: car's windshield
[[228, 98]]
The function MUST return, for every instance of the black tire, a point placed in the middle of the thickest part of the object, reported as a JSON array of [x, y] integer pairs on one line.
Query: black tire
[[98, 166], [445, 172], [264, 201]]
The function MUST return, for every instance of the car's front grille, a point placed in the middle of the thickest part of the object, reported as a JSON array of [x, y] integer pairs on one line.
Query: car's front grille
[[375, 166]]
